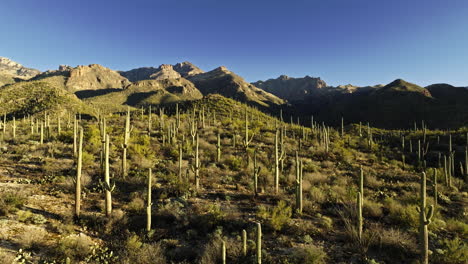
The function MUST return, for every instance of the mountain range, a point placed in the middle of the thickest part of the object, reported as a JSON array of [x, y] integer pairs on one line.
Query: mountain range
[[397, 104]]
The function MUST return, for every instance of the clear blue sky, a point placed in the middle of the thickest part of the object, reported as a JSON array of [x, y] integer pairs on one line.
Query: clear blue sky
[[362, 42]]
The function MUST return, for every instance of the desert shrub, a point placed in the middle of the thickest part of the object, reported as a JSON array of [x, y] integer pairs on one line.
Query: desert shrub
[[76, 247], [403, 215], [395, 244], [458, 227], [452, 251], [324, 221], [317, 194], [100, 254], [11, 201], [372, 209], [32, 238], [29, 217], [136, 205], [278, 216], [309, 254], [234, 163]]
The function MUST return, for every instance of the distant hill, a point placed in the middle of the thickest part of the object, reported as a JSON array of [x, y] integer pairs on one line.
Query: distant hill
[[396, 105], [32, 97], [91, 77], [292, 89], [11, 71], [143, 93], [165, 71], [228, 84]]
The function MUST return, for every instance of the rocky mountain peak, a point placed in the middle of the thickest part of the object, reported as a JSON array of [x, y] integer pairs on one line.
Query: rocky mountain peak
[[15, 69], [187, 69]]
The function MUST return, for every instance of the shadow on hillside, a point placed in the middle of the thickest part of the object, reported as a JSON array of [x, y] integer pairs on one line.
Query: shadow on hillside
[[136, 98], [43, 213], [93, 93]]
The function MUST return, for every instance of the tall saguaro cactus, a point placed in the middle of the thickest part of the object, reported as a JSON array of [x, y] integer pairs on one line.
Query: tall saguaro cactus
[[259, 244], [148, 202], [359, 215], [256, 173], [247, 140], [196, 167], [78, 175], [425, 216], [125, 144], [278, 157], [180, 161], [298, 184], [107, 186], [244, 242], [218, 148]]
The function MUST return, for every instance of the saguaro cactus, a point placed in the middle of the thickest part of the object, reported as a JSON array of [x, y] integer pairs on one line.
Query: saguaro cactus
[[247, 140], [148, 202], [223, 251], [107, 187], [425, 216], [14, 127], [259, 244], [78, 175], [359, 215], [434, 188], [218, 148], [298, 184], [278, 158], [125, 144], [180, 161], [41, 140], [196, 167], [244, 242], [256, 172], [75, 131]]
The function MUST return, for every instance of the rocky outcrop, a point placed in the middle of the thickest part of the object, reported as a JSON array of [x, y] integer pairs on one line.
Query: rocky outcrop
[[15, 69], [228, 84], [11, 71], [291, 89], [187, 69], [165, 71]]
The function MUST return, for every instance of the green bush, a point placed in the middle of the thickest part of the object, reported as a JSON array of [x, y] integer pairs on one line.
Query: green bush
[[278, 216], [10, 202], [453, 251]]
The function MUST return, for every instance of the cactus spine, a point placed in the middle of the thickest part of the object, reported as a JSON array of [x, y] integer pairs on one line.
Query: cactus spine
[[78, 175], [424, 221], [259, 244], [149, 203]]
